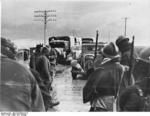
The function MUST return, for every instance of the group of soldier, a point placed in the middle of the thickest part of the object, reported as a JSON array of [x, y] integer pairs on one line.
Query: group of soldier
[[42, 64], [27, 89], [112, 86]]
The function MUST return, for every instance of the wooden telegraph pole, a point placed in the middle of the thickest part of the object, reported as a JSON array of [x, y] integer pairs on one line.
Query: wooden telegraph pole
[[45, 17]]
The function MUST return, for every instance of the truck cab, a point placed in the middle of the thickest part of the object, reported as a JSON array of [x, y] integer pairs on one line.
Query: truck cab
[[64, 46]]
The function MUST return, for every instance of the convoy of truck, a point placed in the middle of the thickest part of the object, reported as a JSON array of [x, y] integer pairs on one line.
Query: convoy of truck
[[65, 46], [83, 50], [75, 48]]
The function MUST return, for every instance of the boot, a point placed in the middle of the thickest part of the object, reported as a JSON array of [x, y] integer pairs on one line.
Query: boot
[[53, 103]]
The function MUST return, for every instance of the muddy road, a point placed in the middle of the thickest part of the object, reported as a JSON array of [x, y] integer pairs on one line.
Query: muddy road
[[69, 92]]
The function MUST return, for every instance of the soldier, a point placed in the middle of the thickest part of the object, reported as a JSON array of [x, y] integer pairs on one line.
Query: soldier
[[45, 92], [76, 67], [43, 67], [125, 48], [136, 97], [19, 90], [34, 56], [52, 58], [104, 83]]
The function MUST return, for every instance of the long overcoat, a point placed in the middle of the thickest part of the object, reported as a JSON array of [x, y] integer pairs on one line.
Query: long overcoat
[[105, 80], [19, 90]]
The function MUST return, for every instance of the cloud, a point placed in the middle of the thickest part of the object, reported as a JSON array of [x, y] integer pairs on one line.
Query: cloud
[[82, 18]]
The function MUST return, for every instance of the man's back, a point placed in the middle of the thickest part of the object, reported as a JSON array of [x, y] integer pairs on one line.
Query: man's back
[[103, 78], [19, 90], [42, 66]]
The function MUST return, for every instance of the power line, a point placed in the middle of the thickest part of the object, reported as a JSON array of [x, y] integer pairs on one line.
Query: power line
[[45, 18]]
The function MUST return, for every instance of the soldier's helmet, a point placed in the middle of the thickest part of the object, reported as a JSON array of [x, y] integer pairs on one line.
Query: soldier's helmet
[[38, 48], [110, 51], [123, 43], [121, 39], [8, 48], [45, 51]]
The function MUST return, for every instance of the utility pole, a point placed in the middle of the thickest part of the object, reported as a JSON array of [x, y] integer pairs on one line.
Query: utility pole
[[125, 26], [45, 18]]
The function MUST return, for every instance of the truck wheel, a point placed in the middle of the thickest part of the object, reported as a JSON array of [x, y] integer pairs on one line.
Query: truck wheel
[[74, 76]]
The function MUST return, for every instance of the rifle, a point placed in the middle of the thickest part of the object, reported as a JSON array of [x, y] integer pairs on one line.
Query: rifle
[[95, 55], [131, 58]]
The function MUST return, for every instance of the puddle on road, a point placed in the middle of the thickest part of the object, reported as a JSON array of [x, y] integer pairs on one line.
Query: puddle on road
[[70, 93]]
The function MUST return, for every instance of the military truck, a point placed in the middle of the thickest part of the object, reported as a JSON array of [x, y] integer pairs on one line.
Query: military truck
[[64, 46], [87, 58]]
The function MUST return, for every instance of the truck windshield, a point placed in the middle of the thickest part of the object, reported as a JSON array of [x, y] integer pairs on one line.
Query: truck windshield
[[58, 44], [91, 48], [87, 48]]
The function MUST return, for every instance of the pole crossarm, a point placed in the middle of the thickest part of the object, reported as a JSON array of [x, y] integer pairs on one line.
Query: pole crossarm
[[45, 17], [51, 20], [51, 10], [38, 15], [39, 11], [52, 15], [38, 20]]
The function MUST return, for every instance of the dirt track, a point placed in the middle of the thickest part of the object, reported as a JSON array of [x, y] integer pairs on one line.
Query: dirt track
[[69, 92]]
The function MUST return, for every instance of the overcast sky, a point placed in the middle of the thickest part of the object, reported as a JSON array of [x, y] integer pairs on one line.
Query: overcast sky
[[81, 18]]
